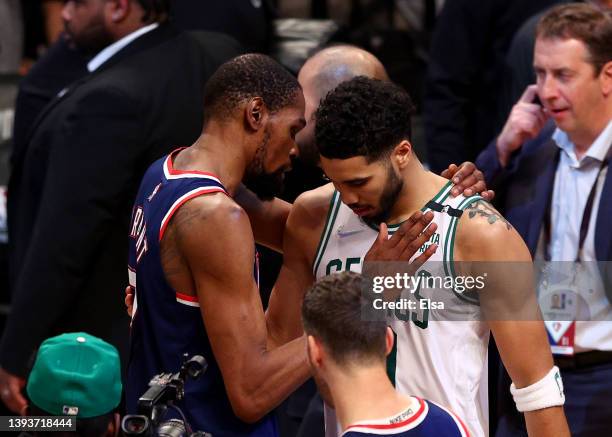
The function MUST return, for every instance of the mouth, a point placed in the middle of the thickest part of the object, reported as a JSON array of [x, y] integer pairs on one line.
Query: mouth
[[362, 211], [558, 112]]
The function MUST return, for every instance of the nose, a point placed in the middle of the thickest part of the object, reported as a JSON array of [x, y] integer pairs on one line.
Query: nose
[[547, 88], [348, 196]]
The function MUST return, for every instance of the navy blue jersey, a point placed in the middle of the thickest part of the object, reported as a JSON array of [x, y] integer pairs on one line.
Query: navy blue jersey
[[166, 323], [428, 420]]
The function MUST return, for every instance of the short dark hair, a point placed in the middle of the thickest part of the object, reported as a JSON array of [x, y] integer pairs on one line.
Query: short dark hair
[[584, 22], [154, 9], [332, 312], [85, 427], [363, 117], [245, 77]]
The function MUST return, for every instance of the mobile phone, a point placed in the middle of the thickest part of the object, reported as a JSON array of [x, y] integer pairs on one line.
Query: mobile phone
[[536, 100]]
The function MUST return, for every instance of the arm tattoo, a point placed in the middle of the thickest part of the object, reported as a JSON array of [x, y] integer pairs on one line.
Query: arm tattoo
[[485, 210]]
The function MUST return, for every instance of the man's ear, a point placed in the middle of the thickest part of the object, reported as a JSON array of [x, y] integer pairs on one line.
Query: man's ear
[[389, 339], [605, 78], [315, 352], [402, 153], [255, 112], [118, 10]]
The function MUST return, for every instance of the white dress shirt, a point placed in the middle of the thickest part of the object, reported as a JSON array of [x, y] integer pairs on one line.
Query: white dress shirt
[[108, 52], [574, 179]]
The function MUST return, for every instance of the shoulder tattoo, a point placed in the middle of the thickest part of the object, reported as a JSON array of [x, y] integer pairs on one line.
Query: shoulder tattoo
[[484, 209]]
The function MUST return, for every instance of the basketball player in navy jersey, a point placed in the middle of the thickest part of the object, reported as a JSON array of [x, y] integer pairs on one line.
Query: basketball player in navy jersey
[[193, 260], [348, 359]]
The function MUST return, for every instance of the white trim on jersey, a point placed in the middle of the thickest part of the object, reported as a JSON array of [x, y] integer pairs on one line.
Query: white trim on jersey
[[186, 174], [460, 425], [383, 427], [131, 277], [188, 300]]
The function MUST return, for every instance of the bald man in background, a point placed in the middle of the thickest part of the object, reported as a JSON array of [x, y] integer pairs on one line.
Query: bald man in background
[[321, 73]]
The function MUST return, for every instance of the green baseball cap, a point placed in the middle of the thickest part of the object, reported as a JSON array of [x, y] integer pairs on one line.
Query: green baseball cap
[[75, 374]]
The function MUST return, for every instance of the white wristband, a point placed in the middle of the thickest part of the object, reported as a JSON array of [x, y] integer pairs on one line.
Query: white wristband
[[547, 392]]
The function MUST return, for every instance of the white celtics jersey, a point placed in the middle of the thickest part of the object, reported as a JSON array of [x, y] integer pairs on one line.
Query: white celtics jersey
[[440, 360]]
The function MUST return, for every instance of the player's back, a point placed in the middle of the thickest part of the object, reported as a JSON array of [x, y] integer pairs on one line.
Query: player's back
[[167, 323], [426, 420]]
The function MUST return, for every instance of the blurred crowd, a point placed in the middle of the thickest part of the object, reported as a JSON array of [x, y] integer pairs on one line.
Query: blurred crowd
[[94, 91]]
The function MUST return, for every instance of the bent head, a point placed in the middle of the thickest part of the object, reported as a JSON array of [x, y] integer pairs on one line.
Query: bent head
[[323, 72], [573, 65], [263, 98], [363, 136], [338, 338]]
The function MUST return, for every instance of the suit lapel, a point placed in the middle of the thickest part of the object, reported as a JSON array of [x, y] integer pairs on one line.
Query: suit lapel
[[603, 235], [544, 188], [151, 39]]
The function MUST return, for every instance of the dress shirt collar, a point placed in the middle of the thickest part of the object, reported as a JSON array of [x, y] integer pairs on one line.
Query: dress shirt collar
[[598, 150], [112, 49]]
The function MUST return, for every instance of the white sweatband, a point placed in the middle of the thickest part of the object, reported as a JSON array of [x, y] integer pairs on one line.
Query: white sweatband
[[547, 392]]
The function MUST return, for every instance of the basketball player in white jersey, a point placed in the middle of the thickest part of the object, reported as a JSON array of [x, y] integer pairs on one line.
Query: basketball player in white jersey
[[363, 136]]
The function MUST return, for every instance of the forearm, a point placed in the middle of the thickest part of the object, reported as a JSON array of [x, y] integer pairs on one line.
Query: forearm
[[283, 316], [268, 218], [269, 379], [547, 422], [282, 330]]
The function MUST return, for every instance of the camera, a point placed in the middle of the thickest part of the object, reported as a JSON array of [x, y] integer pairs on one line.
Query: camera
[[164, 391]]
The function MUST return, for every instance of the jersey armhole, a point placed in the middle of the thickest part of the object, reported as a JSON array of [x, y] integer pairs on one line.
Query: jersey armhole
[[448, 260], [181, 200], [334, 206]]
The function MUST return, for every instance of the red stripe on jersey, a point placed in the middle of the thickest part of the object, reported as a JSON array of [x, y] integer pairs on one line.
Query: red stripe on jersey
[[465, 430], [393, 425], [187, 297], [177, 205], [175, 172]]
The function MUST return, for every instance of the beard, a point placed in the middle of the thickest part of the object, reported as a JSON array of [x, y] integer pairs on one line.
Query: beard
[[393, 187], [265, 185], [93, 39]]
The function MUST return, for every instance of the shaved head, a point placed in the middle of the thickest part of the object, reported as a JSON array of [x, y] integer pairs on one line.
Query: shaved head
[[323, 72], [329, 67]]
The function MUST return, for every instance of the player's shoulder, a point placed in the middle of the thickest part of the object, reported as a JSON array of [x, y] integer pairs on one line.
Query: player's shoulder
[[483, 234], [215, 211], [311, 207]]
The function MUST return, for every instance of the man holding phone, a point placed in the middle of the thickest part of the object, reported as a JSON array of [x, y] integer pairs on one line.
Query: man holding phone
[[550, 169]]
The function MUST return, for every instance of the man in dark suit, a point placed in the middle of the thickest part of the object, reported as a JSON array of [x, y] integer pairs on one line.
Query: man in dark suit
[[72, 190], [464, 76], [553, 180]]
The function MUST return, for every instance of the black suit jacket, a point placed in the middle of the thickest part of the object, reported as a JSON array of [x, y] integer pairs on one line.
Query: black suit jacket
[[73, 185], [461, 110]]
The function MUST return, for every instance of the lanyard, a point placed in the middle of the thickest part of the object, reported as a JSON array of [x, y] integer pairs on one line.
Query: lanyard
[[586, 216]]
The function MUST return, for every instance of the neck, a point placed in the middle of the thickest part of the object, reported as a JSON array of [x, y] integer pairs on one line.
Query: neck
[[364, 393], [585, 138], [131, 24], [420, 186], [218, 150]]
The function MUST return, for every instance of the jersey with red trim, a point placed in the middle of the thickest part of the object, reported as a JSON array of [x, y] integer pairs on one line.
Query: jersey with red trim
[[425, 420], [167, 323]]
